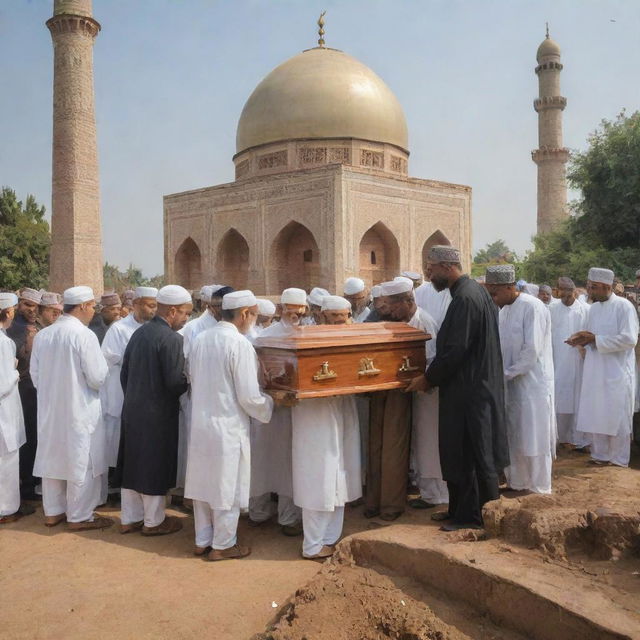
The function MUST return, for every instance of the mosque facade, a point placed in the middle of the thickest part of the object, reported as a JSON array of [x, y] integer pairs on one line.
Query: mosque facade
[[321, 192]]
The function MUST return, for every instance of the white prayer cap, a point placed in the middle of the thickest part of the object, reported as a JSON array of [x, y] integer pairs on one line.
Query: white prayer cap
[[376, 291], [217, 287], [173, 294], [8, 299], [531, 289], [266, 307], [604, 276], [412, 275], [239, 299], [353, 286], [147, 292], [316, 295], [206, 291], [403, 279], [78, 295], [30, 294], [295, 296], [335, 303], [396, 286]]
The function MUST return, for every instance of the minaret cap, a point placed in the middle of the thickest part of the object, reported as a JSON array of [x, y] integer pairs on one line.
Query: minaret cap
[[321, 29], [548, 48]]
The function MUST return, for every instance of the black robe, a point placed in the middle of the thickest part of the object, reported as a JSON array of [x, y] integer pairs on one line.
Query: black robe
[[153, 380], [468, 371], [98, 326]]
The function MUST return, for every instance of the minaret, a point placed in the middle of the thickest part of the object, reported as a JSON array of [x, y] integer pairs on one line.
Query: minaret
[[551, 156], [76, 237]]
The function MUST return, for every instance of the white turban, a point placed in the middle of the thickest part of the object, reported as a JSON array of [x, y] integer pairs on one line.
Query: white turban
[[266, 307], [174, 295], [604, 276], [8, 299], [399, 285], [295, 296], [335, 303], [376, 291], [78, 295], [316, 295], [147, 292], [353, 286], [239, 300]]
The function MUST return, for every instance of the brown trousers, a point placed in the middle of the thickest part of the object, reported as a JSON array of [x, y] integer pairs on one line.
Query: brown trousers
[[389, 443]]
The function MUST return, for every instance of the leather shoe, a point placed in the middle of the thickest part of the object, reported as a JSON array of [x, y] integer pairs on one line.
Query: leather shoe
[[391, 515], [52, 521], [131, 527], [236, 551], [326, 552], [292, 530], [171, 524], [441, 516], [201, 551], [99, 522]]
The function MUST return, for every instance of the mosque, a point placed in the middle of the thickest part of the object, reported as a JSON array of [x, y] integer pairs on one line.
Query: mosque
[[321, 192]]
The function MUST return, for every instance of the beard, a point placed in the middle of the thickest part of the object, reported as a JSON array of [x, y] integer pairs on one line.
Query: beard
[[439, 283]]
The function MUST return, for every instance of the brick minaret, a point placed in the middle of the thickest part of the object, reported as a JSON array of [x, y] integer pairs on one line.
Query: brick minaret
[[76, 237], [551, 156]]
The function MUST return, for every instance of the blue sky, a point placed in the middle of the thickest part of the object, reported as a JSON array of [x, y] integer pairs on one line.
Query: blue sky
[[172, 76]]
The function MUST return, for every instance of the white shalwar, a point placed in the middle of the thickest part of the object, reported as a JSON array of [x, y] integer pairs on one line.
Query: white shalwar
[[113, 347], [567, 366], [326, 466], [224, 396], [12, 434], [434, 302], [138, 507], [608, 380], [424, 442], [527, 357], [68, 369], [271, 459]]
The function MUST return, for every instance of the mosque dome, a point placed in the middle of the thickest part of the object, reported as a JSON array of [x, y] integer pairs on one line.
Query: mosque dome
[[548, 48], [321, 93]]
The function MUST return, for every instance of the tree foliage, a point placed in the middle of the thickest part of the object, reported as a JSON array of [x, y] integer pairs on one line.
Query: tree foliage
[[496, 252], [605, 228], [24, 242], [130, 278]]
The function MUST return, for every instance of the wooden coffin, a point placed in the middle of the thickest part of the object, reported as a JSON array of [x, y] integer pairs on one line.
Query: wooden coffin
[[317, 361]]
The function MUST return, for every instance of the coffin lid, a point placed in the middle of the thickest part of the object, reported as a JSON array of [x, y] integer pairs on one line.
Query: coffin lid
[[316, 336]]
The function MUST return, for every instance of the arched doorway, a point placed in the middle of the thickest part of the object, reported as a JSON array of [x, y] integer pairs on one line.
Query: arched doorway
[[295, 258], [437, 237], [232, 260], [379, 255], [188, 265]]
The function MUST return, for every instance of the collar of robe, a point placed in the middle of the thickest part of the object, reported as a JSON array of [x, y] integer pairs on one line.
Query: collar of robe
[[224, 324], [457, 283]]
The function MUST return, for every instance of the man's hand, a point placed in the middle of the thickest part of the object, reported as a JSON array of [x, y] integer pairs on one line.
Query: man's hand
[[30, 335], [283, 398], [419, 383], [581, 339]]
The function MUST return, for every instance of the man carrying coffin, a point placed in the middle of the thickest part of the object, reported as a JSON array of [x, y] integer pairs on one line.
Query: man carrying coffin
[[608, 377], [153, 379], [357, 294], [326, 456], [224, 396]]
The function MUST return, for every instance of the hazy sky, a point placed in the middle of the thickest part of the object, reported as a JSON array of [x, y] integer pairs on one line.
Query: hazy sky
[[172, 76]]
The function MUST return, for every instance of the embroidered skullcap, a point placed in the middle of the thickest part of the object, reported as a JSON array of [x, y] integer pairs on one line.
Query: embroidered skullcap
[[545, 288], [107, 300], [78, 295], [239, 299], [51, 299], [335, 303], [605, 276], [129, 294], [30, 294], [266, 307], [174, 295], [501, 274], [412, 275], [316, 295], [566, 283], [295, 296], [443, 253], [353, 286], [145, 292], [8, 299], [399, 285], [376, 291]]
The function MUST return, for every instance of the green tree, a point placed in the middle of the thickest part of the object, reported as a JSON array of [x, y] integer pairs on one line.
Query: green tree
[[24, 242], [129, 279], [494, 253]]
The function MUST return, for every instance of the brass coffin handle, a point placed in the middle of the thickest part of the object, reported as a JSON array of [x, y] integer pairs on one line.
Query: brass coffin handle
[[324, 373], [406, 365], [367, 368]]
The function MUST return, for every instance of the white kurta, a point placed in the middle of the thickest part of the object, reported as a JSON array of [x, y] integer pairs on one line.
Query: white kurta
[[608, 378], [194, 328], [434, 302], [224, 396], [12, 435], [113, 347], [362, 316], [527, 356], [68, 369]]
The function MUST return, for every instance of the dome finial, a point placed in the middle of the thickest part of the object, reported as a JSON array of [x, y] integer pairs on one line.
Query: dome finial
[[321, 29], [546, 23]]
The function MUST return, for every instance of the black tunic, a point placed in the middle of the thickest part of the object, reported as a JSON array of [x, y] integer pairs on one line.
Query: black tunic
[[153, 380], [98, 326], [468, 371]]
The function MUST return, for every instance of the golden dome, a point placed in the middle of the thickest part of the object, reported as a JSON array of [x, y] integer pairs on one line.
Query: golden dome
[[548, 48], [318, 94]]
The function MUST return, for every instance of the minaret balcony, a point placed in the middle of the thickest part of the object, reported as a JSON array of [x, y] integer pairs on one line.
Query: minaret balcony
[[549, 102], [550, 154], [549, 66]]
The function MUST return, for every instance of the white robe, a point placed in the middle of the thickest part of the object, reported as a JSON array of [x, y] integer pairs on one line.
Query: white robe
[[68, 369], [567, 361], [224, 396], [608, 378], [527, 356], [434, 302], [113, 347], [12, 435], [362, 316]]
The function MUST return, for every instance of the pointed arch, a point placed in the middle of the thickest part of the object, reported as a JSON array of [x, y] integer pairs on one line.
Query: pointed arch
[[379, 254], [188, 265], [232, 260], [294, 259], [437, 237]]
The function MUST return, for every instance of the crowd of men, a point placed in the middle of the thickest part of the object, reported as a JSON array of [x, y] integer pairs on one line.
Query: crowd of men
[[149, 397]]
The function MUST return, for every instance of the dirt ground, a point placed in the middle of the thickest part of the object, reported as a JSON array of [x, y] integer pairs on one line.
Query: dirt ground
[[57, 584]]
